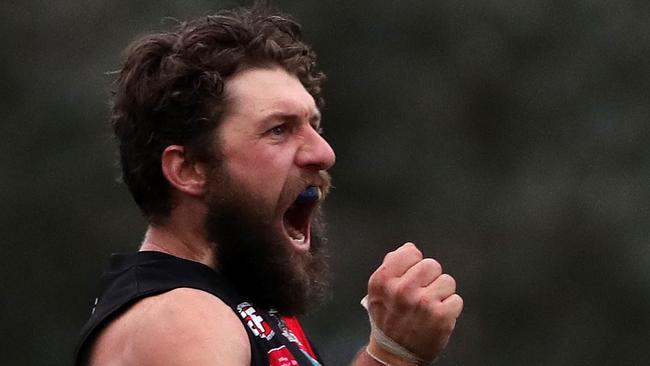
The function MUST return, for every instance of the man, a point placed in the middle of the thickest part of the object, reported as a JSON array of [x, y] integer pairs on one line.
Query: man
[[218, 126]]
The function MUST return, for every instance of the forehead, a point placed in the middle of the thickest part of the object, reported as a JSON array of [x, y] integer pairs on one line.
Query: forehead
[[259, 91]]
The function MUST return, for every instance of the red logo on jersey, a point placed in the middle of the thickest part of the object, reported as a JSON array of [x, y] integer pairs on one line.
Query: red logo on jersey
[[281, 356], [255, 323]]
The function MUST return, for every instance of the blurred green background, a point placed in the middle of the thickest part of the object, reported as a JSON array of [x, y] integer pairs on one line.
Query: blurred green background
[[509, 139]]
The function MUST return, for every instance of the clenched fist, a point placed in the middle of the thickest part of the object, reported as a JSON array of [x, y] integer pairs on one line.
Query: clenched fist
[[413, 302]]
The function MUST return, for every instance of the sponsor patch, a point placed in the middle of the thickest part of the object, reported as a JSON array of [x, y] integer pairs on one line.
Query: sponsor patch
[[281, 356], [255, 323]]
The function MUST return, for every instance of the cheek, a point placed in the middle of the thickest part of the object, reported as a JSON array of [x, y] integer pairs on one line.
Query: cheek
[[262, 172]]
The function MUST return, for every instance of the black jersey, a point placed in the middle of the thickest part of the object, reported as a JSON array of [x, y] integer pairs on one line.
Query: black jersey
[[274, 340]]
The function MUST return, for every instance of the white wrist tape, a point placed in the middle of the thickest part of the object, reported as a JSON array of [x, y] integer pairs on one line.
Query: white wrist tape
[[387, 343]]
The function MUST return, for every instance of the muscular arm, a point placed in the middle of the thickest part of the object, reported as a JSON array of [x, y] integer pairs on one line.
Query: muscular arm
[[180, 327]]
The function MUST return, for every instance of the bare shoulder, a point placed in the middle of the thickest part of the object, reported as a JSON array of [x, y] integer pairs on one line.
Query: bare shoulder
[[180, 327]]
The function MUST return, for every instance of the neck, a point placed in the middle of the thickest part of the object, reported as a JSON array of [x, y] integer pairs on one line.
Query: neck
[[181, 239]]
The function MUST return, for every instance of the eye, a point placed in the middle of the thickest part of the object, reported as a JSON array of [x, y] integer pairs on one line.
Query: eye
[[278, 130]]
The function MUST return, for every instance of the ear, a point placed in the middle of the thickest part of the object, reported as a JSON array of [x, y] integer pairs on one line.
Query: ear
[[183, 174]]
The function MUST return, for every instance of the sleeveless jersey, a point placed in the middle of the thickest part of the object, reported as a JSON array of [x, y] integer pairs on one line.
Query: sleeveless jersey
[[274, 340]]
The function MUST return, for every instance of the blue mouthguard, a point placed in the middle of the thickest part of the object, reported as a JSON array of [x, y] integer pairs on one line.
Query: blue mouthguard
[[309, 195]]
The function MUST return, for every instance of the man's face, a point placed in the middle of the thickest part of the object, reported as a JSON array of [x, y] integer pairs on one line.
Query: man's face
[[270, 152]]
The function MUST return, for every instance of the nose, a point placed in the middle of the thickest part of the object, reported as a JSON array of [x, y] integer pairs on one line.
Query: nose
[[315, 152]]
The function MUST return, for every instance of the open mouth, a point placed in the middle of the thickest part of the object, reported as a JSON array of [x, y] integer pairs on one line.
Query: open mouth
[[297, 218]]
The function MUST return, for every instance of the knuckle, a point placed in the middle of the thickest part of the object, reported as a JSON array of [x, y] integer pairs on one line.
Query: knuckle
[[404, 290], [438, 313], [459, 302], [380, 274], [448, 280], [389, 256], [413, 250], [409, 249], [432, 265], [442, 310], [379, 282], [376, 285], [406, 297], [425, 302]]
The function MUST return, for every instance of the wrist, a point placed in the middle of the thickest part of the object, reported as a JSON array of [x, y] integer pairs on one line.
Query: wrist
[[386, 351], [387, 358]]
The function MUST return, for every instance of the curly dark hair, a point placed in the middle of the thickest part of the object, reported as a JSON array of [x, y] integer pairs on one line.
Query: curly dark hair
[[170, 89]]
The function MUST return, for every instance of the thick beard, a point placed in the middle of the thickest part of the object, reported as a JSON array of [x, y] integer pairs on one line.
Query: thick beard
[[256, 257]]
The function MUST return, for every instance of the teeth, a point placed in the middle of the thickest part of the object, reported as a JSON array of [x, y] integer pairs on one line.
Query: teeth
[[299, 239], [296, 235]]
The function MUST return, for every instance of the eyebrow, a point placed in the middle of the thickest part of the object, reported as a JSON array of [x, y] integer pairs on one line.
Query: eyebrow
[[314, 120]]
